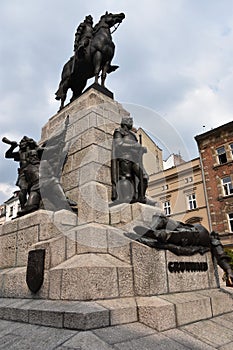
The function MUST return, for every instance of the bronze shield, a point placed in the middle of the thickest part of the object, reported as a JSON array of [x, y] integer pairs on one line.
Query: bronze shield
[[35, 269]]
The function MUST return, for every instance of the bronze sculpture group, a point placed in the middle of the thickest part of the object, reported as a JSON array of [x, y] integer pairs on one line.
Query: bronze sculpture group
[[39, 172], [40, 167], [183, 239]]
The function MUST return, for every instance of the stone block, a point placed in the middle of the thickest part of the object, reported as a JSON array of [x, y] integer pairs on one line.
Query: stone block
[[75, 144], [44, 313], [66, 218], [86, 316], [95, 172], [81, 125], [93, 203], [156, 313], [115, 216], [143, 212], [221, 302], [125, 280], [93, 136], [70, 244], [123, 310], [88, 277], [16, 277], [70, 180], [55, 280], [92, 153], [73, 194], [187, 280], [126, 213], [150, 273], [118, 244], [68, 166], [9, 227], [91, 238], [55, 251], [8, 250], [48, 230], [190, 307], [121, 215], [25, 239], [12, 310], [43, 293], [35, 218]]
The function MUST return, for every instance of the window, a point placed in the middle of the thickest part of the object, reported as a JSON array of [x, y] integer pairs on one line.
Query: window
[[2, 212], [231, 148], [222, 157], [192, 202], [167, 207], [230, 220], [11, 211], [227, 186]]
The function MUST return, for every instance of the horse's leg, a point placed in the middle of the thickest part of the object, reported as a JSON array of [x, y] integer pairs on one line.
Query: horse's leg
[[104, 72], [97, 65]]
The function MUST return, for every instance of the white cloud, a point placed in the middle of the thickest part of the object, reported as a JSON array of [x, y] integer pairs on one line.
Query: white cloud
[[6, 191]]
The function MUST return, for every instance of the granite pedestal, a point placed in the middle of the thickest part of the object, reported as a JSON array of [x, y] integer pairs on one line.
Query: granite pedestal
[[88, 258]]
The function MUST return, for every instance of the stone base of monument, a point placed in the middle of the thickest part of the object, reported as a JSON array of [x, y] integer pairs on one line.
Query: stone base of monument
[[158, 312], [94, 275]]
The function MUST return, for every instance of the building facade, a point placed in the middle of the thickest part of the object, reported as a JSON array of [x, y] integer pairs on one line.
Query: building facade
[[153, 159], [179, 191], [216, 154], [2, 214], [12, 206]]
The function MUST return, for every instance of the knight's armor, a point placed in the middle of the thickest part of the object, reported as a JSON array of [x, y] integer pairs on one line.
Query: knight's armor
[[83, 36]]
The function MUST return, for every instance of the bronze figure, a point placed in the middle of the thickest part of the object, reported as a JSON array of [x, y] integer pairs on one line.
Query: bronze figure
[[183, 239], [93, 53], [129, 178]]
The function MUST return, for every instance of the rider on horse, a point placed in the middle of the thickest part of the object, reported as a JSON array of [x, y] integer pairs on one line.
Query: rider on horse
[[83, 36]]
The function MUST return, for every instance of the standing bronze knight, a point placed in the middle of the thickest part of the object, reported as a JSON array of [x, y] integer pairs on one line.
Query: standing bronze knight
[[129, 178]]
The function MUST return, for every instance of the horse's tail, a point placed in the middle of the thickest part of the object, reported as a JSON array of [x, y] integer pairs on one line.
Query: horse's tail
[[112, 69]]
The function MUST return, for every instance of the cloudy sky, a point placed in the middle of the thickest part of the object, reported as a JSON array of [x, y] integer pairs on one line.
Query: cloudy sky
[[175, 75]]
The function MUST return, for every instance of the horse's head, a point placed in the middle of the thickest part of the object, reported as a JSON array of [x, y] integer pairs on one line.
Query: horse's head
[[111, 19]]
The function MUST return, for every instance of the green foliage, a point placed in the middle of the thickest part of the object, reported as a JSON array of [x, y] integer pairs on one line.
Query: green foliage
[[230, 254]]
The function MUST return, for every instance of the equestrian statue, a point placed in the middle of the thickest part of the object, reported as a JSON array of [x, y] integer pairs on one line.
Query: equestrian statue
[[93, 53]]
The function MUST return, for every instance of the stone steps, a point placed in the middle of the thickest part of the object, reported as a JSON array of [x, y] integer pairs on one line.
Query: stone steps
[[90, 277], [158, 312]]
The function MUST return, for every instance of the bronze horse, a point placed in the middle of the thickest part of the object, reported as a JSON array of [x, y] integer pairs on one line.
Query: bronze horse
[[97, 58]]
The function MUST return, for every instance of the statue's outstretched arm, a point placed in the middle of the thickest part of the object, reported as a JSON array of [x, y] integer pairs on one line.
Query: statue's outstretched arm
[[10, 154]]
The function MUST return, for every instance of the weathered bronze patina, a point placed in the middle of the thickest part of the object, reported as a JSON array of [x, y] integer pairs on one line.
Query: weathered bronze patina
[[93, 54]]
